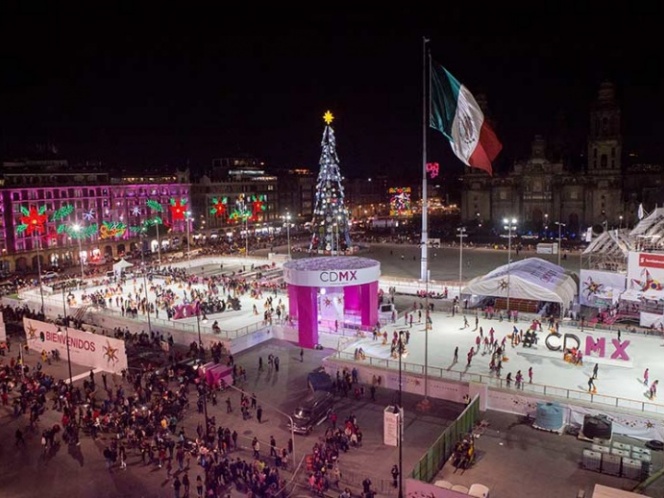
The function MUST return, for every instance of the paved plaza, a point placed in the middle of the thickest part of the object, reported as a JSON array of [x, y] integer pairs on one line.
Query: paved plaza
[[504, 450]]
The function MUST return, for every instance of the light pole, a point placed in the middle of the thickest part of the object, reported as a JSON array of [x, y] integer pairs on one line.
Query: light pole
[[290, 419], [288, 218], [462, 234], [39, 270], [64, 309], [77, 229], [201, 358], [400, 427], [560, 237], [188, 243], [620, 218], [510, 224]]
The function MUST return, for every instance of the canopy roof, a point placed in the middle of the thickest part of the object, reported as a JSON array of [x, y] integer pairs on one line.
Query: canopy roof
[[647, 235], [531, 278], [121, 265]]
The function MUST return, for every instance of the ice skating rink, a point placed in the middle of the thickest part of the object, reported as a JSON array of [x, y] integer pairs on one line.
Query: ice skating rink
[[615, 378]]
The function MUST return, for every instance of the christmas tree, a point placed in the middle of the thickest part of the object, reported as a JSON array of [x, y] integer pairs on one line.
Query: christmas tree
[[330, 230]]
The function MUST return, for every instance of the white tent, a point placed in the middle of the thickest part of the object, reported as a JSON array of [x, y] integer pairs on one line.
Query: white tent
[[531, 278], [121, 265]]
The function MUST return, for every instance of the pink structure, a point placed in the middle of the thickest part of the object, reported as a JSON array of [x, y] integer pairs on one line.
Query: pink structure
[[331, 290]]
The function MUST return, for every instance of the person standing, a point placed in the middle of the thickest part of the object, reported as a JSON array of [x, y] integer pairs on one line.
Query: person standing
[[185, 484], [591, 385], [530, 375], [595, 369], [176, 486], [259, 414], [646, 376], [301, 355], [519, 380], [456, 354], [199, 486], [395, 475], [19, 437]]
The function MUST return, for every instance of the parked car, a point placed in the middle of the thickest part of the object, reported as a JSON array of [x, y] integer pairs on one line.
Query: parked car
[[312, 411]]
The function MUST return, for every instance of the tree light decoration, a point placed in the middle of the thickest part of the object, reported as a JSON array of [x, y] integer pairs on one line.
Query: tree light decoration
[[33, 220], [81, 233], [61, 213], [219, 206], [154, 205], [178, 208], [330, 217]]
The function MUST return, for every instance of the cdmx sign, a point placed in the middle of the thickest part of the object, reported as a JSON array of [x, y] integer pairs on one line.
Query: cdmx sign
[[556, 342], [338, 276]]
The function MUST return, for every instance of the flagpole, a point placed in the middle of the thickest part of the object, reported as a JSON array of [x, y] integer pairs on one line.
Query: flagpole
[[426, 65]]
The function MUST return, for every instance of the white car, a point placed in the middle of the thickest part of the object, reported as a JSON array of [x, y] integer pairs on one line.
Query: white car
[[49, 275]]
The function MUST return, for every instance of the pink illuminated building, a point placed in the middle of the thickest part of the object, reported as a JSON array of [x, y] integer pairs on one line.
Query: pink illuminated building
[[100, 213]]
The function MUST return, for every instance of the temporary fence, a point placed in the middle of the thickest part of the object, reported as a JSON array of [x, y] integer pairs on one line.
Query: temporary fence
[[441, 450]]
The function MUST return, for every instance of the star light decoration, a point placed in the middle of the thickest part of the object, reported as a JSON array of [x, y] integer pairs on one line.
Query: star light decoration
[[178, 208], [136, 211], [110, 353], [32, 332], [592, 287], [33, 220]]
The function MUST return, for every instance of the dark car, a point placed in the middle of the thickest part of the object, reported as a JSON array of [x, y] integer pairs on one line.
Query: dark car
[[312, 411]]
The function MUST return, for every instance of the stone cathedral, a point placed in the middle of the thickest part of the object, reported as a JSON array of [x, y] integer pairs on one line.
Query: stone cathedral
[[540, 192]]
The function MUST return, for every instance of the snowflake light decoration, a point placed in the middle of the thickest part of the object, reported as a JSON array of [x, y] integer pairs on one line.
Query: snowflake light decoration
[[89, 215], [136, 211]]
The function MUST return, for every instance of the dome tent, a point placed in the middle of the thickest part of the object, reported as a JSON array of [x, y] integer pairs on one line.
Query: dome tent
[[531, 278]]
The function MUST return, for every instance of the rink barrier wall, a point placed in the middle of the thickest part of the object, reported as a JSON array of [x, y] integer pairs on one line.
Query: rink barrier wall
[[453, 385]]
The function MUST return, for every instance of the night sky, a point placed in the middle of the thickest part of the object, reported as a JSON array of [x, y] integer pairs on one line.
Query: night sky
[[174, 87]]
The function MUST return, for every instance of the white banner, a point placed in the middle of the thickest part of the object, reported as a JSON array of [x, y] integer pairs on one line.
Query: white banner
[[85, 348], [645, 271], [601, 288]]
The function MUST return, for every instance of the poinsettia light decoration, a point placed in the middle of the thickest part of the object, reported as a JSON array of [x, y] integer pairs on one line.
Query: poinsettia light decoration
[[178, 208], [33, 219], [219, 206]]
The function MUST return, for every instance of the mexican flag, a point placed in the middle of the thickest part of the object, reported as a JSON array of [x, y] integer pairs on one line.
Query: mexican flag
[[455, 113]]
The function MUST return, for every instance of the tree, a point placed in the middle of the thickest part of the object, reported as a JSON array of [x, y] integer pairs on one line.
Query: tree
[[330, 229]]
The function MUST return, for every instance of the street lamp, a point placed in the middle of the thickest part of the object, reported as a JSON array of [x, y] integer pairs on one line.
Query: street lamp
[[201, 358], [509, 224], [64, 309], [400, 427], [560, 237], [288, 219], [462, 234], [620, 218], [77, 228], [39, 270]]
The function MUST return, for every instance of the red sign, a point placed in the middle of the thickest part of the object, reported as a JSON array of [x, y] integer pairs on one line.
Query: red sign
[[651, 260]]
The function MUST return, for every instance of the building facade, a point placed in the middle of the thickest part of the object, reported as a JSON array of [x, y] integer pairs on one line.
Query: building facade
[[542, 193], [55, 217], [233, 193]]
